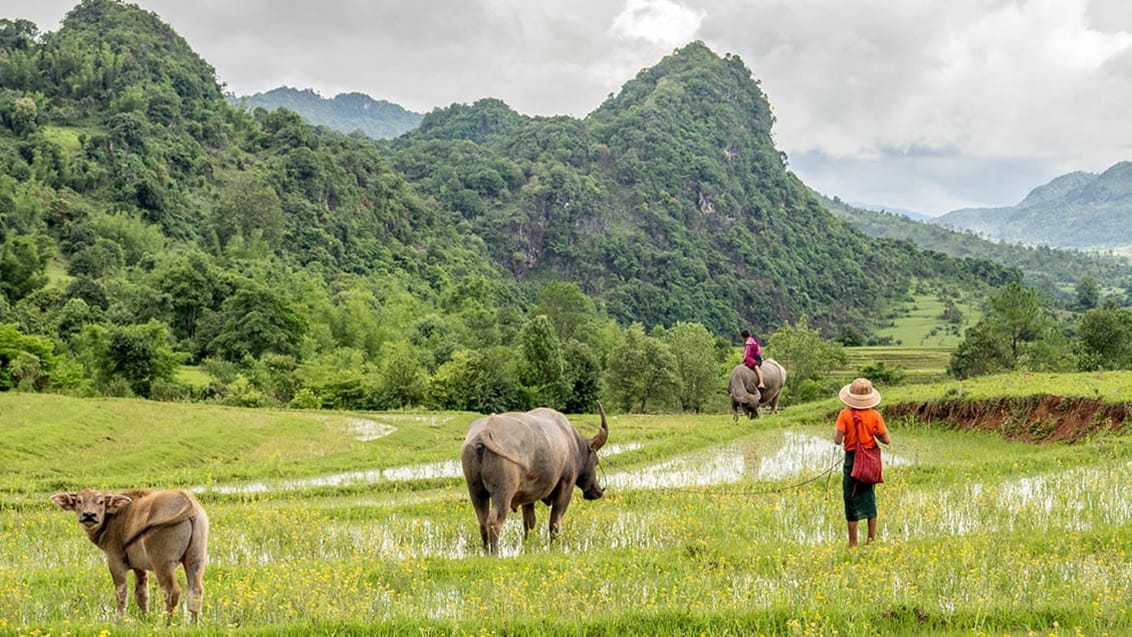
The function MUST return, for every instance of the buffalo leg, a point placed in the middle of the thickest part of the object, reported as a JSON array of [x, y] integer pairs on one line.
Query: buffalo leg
[[118, 572], [167, 579], [141, 589], [194, 579], [558, 508], [495, 519], [528, 519], [482, 504]]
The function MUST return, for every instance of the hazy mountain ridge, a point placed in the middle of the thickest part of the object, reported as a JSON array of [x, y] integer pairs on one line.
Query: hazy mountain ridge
[[1055, 270], [1078, 210], [345, 112]]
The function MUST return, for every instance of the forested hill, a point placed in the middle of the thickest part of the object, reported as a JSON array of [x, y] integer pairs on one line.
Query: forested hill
[[1077, 210], [346, 112], [130, 180], [669, 201]]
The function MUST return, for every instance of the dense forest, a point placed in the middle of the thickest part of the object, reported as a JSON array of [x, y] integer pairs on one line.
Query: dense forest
[[486, 260]]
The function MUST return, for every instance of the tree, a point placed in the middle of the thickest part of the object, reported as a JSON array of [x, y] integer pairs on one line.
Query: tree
[[137, 355], [1105, 339], [26, 361], [1017, 314], [583, 375], [1014, 334], [1088, 293], [22, 267], [481, 381], [805, 355], [641, 368], [17, 35], [543, 368], [696, 366], [567, 307], [403, 379], [248, 207], [190, 282], [256, 320]]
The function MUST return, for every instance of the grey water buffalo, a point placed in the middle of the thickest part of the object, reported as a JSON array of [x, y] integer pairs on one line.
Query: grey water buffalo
[[517, 459], [743, 386], [146, 531]]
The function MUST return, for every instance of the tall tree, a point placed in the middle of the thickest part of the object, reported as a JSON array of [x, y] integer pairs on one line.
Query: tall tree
[[697, 369], [1105, 339], [642, 369], [1016, 333], [543, 368]]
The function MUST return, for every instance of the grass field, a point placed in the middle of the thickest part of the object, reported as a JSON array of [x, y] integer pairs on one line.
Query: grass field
[[918, 364], [334, 523], [920, 323]]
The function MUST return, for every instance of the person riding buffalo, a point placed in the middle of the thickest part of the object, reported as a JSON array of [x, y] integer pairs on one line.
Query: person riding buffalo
[[753, 355]]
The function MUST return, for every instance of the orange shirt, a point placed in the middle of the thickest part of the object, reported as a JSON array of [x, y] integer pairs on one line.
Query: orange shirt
[[872, 424]]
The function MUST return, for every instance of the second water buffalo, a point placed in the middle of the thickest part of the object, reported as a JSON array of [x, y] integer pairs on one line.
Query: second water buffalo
[[518, 459], [743, 386]]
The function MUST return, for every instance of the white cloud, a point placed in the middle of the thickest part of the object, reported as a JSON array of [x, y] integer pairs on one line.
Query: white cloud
[[660, 22]]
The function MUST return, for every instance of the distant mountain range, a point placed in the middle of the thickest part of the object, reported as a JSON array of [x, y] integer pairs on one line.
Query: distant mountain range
[[1079, 210], [346, 112], [1055, 270], [911, 214]]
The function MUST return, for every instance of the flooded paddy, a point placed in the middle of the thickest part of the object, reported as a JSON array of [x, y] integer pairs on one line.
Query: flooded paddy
[[796, 456]]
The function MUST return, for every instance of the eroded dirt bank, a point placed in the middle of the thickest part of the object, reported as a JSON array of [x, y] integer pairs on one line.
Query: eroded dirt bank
[[1037, 419]]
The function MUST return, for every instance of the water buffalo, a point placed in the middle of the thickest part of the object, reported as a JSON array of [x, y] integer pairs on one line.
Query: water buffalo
[[146, 531], [744, 390], [516, 459]]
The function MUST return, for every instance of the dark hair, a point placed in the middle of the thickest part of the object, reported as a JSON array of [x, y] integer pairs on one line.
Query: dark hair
[[745, 334]]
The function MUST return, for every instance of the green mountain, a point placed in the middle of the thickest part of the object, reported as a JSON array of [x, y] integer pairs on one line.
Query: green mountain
[[669, 201], [1078, 210], [346, 112]]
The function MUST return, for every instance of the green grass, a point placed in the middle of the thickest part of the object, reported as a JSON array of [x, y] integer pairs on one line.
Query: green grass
[[193, 375], [65, 136], [919, 364], [919, 323], [979, 536]]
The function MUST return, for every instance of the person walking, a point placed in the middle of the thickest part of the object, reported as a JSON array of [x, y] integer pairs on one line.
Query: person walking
[[859, 426], [753, 355]]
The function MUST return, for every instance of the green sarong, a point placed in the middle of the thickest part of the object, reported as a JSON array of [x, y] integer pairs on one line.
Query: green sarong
[[860, 499]]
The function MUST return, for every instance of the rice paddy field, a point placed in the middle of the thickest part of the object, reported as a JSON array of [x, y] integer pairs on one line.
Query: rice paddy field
[[343, 523]]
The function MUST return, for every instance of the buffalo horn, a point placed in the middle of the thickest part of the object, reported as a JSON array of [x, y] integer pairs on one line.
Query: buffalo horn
[[601, 436]]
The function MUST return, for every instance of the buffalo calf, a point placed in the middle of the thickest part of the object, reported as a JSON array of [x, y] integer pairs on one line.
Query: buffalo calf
[[143, 531]]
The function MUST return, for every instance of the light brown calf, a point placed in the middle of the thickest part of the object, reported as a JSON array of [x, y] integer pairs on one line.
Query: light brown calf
[[146, 531]]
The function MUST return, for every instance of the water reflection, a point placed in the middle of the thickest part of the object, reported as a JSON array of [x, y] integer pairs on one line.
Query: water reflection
[[799, 455]]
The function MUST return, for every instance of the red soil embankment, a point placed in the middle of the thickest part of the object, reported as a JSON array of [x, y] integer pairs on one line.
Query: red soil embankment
[[1036, 419]]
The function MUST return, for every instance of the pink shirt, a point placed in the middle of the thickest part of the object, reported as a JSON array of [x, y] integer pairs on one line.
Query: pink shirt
[[751, 352]]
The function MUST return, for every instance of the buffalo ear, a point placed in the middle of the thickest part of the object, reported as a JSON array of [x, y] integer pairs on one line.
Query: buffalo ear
[[65, 500], [115, 502]]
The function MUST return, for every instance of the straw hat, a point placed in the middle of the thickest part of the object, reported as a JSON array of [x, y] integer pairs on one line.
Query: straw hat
[[859, 394]]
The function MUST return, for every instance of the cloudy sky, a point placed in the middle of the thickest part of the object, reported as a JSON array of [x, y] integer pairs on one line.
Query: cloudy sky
[[924, 105]]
